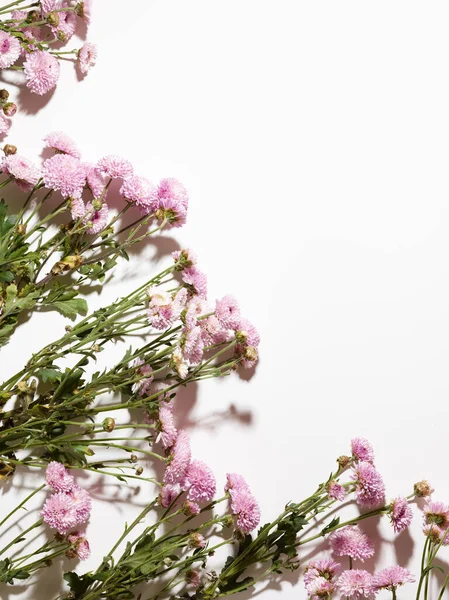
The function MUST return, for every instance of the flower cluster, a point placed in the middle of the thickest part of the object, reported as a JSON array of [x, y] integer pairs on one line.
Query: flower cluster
[[243, 503]]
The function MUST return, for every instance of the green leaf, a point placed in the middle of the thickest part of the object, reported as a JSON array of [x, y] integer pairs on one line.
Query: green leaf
[[6, 277], [20, 574], [48, 374], [72, 307], [331, 525], [6, 222]]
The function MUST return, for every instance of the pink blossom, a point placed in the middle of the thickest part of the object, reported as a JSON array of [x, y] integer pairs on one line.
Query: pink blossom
[[212, 332], [180, 363], [58, 478], [77, 208], [193, 578], [356, 584], [336, 491], [169, 433], [24, 173], [228, 312], [59, 512], [196, 540], [401, 514], [176, 470], [369, 486], [391, 578], [139, 190], [79, 544], [162, 311], [41, 71], [250, 333], [236, 483], [67, 19], [10, 50], [169, 493], [193, 347], [362, 450], [171, 203], [326, 569], [61, 142], [96, 181], [249, 339], [184, 259], [436, 521], [5, 124], [351, 541], [97, 219], [195, 308], [82, 504], [87, 57], [114, 167], [196, 281], [243, 503], [141, 387], [64, 173], [190, 508], [200, 482], [320, 588], [85, 11]]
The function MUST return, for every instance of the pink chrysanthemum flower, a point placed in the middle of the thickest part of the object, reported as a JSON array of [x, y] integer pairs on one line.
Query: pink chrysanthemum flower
[[5, 124], [236, 483], [212, 332], [87, 57], [247, 330], [436, 521], [24, 173], [96, 181], [190, 508], [196, 281], [362, 450], [77, 208], [61, 142], [196, 540], [169, 493], [58, 478], [168, 431], [200, 482], [85, 10], [98, 218], [59, 512], [160, 309], [41, 71], [325, 568], [336, 491], [10, 50], [356, 584], [369, 486], [141, 387], [400, 514], [391, 578], [79, 545], [139, 190], [195, 308], [66, 27], [351, 541], [66, 174], [227, 312], [184, 259], [243, 503], [171, 203], [193, 578], [320, 588], [180, 460], [172, 189], [114, 167], [193, 346], [82, 504]]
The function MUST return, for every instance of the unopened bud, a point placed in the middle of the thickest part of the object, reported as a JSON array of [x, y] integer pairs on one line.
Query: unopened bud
[[53, 19], [228, 521], [33, 16], [241, 337], [343, 461], [196, 540], [251, 353], [62, 37], [4, 95], [133, 458], [9, 149], [97, 204], [68, 328], [10, 109], [139, 470], [422, 489], [21, 229], [190, 508], [167, 561], [70, 553], [109, 424]]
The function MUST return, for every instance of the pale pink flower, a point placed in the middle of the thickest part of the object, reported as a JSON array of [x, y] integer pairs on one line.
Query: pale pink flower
[[82, 504], [400, 514], [195, 308], [243, 503], [336, 491], [193, 346], [196, 281], [61, 142], [196, 540], [179, 362], [236, 483], [161, 309], [96, 181], [391, 578], [114, 167], [97, 219], [190, 508], [141, 387], [362, 450], [369, 486], [5, 124], [79, 545], [41, 71], [351, 541], [59, 512], [200, 482], [184, 259], [168, 431], [325, 568], [58, 478], [48, 6], [212, 332], [180, 460], [87, 57], [67, 20], [139, 190], [227, 312], [169, 493], [24, 173], [247, 330], [173, 189], [356, 584], [171, 203], [86, 10], [320, 588], [10, 50], [193, 578], [64, 173], [436, 521], [77, 208]]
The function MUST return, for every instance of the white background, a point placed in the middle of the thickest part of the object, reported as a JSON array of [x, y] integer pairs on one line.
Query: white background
[[313, 140]]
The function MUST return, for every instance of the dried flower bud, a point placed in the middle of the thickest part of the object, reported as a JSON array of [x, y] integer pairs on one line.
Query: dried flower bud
[[167, 561], [422, 489], [22, 386], [97, 204], [62, 37], [4, 95], [33, 16], [343, 461], [190, 508], [79, 9], [68, 328], [250, 353], [21, 229], [139, 470], [109, 424], [53, 19], [193, 577], [241, 337], [70, 553], [196, 540], [10, 109], [133, 458], [9, 149]]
